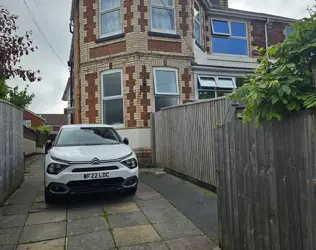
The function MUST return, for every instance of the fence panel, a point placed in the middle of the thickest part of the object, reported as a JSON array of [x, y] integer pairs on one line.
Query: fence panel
[[184, 137], [11, 149], [266, 189]]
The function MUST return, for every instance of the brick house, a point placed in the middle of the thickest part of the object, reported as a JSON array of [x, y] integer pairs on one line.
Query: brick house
[[31, 119], [132, 57]]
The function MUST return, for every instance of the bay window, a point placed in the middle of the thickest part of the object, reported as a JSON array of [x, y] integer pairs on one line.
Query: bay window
[[229, 37], [112, 97], [110, 17], [197, 23], [166, 87], [163, 16], [214, 86]]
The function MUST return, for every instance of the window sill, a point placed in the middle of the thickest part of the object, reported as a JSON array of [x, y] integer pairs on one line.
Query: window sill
[[108, 38], [200, 46], [168, 35]]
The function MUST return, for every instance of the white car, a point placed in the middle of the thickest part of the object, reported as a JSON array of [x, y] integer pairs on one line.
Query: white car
[[89, 158]]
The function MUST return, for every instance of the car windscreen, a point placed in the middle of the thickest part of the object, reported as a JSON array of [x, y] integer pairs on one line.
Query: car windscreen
[[86, 136]]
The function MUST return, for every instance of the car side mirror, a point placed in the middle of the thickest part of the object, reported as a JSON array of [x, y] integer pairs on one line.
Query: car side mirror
[[48, 146], [125, 141]]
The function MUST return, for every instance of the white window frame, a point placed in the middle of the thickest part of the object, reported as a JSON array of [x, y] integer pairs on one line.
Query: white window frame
[[108, 72], [162, 93], [27, 123], [101, 12], [215, 89], [230, 35], [199, 22], [165, 8], [219, 33]]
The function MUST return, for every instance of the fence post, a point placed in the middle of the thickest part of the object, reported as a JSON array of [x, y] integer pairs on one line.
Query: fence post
[[153, 139]]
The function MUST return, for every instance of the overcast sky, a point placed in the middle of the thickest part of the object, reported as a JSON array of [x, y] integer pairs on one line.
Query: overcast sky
[[53, 18]]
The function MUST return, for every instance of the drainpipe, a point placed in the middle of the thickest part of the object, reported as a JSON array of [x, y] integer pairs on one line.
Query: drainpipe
[[266, 32]]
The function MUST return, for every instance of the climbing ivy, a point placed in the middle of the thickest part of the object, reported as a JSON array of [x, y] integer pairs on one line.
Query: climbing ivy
[[283, 82]]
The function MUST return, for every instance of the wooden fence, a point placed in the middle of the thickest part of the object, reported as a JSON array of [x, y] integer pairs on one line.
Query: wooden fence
[[183, 138], [11, 149], [266, 191]]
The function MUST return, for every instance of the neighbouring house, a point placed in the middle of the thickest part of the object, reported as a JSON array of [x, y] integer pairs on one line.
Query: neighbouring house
[[31, 119], [131, 58], [55, 121]]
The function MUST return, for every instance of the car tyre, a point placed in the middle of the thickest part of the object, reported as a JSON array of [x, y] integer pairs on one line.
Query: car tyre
[[49, 198], [131, 191]]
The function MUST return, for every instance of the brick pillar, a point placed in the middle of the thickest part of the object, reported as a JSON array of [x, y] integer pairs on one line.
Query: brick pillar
[[92, 100], [187, 90], [144, 101], [131, 96]]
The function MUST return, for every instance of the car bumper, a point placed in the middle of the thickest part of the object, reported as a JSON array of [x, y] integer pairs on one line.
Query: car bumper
[[69, 181], [92, 186]]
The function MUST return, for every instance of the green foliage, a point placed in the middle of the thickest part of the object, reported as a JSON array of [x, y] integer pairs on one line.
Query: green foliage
[[42, 129], [19, 98], [283, 82]]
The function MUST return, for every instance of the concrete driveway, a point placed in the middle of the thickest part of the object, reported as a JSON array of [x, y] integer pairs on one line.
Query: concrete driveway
[[145, 221]]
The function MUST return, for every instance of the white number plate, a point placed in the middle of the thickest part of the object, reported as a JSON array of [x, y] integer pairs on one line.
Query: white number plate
[[99, 175]]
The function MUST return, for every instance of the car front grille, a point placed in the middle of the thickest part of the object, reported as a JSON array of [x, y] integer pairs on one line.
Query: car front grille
[[94, 169], [95, 185]]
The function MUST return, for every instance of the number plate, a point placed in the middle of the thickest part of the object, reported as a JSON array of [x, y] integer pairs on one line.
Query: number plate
[[99, 175]]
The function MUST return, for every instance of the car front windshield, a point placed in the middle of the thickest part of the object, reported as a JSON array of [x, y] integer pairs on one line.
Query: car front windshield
[[87, 136]]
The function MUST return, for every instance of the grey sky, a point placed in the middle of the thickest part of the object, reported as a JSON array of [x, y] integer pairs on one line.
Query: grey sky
[[56, 13]]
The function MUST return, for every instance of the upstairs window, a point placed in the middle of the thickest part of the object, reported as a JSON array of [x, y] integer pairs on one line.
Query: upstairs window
[[110, 17], [213, 86], [289, 31], [166, 87], [229, 37], [163, 16], [197, 22]]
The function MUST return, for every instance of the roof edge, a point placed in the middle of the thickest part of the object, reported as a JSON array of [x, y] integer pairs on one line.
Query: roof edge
[[27, 110], [250, 15]]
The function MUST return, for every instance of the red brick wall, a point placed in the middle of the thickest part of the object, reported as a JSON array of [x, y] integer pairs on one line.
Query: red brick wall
[[275, 34], [108, 49], [166, 46], [35, 121], [90, 24], [77, 83], [92, 100]]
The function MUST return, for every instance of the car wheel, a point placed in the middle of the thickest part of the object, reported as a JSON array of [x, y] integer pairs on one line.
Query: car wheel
[[49, 198], [131, 191]]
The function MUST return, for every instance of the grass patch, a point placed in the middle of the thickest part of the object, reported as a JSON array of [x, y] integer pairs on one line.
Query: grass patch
[[165, 197]]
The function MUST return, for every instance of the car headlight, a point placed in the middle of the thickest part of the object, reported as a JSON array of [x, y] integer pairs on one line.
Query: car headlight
[[130, 163], [56, 168]]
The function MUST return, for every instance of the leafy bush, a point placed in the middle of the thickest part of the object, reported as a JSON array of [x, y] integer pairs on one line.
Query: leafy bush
[[283, 82], [42, 129]]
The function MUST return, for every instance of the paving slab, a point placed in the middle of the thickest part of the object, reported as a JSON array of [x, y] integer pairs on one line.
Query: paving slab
[[8, 247], [127, 219], [135, 235], [15, 220], [192, 243], [163, 215], [197, 204], [46, 217], [42, 206], [16, 209], [121, 207], [147, 196], [154, 204], [89, 225], [149, 246], [176, 229], [142, 188], [101, 240], [58, 244], [43, 232], [10, 236], [81, 211], [40, 198]]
